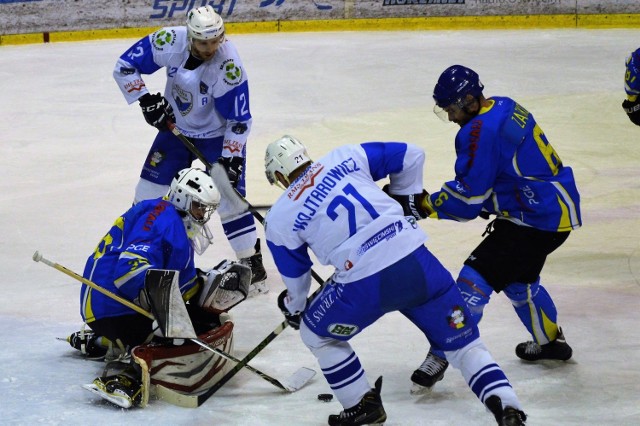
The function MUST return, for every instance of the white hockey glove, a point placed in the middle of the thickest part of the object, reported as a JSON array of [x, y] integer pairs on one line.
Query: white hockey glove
[[224, 286]]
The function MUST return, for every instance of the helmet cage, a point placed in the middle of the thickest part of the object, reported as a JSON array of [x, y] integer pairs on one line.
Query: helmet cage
[[193, 192]]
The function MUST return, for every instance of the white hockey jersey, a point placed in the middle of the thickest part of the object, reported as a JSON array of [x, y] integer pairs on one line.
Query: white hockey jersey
[[209, 101], [336, 209]]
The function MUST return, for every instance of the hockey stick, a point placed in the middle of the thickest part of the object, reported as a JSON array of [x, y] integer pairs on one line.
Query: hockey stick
[[292, 384], [219, 176], [194, 401], [240, 203]]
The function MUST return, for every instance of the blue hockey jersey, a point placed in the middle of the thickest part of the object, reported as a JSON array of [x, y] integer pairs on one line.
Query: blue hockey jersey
[[632, 76], [149, 235], [506, 166]]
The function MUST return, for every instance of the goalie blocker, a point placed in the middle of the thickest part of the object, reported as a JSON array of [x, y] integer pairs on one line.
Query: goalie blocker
[[190, 368]]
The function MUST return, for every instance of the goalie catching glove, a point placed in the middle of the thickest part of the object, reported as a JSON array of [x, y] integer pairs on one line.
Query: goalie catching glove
[[157, 110], [416, 205], [224, 286], [632, 108], [292, 319]]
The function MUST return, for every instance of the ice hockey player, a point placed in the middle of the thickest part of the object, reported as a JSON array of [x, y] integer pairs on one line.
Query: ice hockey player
[[381, 265], [631, 105], [163, 234], [505, 166], [207, 97]]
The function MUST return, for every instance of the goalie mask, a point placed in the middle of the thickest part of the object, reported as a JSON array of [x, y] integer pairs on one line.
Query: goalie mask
[[284, 156], [194, 194]]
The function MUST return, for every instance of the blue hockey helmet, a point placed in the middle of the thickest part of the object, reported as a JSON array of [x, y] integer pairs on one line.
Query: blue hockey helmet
[[454, 84]]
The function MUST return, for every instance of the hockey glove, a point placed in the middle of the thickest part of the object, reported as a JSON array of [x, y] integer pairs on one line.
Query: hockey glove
[[157, 111], [234, 167], [292, 319], [412, 205], [632, 108]]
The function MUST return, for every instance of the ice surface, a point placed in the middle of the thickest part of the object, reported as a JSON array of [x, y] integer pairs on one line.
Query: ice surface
[[71, 153]]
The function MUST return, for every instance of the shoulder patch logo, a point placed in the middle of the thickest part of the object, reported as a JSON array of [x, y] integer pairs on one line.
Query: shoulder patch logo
[[232, 72], [162, 38]]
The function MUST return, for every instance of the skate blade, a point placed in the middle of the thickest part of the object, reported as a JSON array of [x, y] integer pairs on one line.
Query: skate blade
[[298, 379], [418, 390], [121, 401], [258, 288]]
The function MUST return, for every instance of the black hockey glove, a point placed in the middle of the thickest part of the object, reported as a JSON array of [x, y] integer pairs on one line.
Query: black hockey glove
[[157, 111], [292, 319], [233, 166], [633, 110], [411, 204]]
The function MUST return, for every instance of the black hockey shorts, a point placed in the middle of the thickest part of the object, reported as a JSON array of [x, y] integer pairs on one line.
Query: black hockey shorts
[[512, 253], [132, 330]]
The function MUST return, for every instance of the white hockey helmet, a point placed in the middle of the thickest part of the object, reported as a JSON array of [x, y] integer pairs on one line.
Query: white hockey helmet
[[285, 156], [203, 23], [194, 185]]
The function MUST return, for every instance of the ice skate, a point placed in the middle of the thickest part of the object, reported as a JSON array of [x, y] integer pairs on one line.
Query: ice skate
[[258, 273], [428, 374], [558, 349], [119, 389], [89, 344], [369, 411], [507, 416]]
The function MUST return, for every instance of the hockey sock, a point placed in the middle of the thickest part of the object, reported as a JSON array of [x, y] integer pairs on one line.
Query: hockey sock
[[536, 310]]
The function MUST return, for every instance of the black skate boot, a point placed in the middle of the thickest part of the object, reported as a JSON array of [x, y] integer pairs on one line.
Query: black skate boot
[[558, 349], [258, 273], [88, 344], [507, 416], [428, 374], [369, 411], [120, 389]]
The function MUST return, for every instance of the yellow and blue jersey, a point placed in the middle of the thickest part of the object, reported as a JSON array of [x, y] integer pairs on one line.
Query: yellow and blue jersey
[[632, 76], [506, 166], [149, 235]]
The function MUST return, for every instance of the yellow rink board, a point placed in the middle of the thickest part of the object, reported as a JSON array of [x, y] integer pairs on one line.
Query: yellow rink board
[[385, 24]]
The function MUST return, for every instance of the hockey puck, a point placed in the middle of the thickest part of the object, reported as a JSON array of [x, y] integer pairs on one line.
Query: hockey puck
[[325, 397]]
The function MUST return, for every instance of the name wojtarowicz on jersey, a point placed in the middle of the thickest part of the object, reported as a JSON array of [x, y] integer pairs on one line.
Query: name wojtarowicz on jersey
[[320, 190]]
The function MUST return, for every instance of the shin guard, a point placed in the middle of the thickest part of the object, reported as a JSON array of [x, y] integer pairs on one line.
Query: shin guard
[[536, 310]]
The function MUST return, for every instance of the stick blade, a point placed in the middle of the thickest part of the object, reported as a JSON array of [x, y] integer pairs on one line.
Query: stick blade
[[176, 398], [298, 379], [237, 204]]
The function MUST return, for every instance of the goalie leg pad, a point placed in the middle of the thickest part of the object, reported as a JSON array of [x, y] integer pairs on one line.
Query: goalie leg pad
[[190, 368]]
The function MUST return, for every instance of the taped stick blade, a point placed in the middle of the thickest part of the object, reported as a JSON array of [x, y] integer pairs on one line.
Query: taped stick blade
[[237, 204], [298, 379]]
